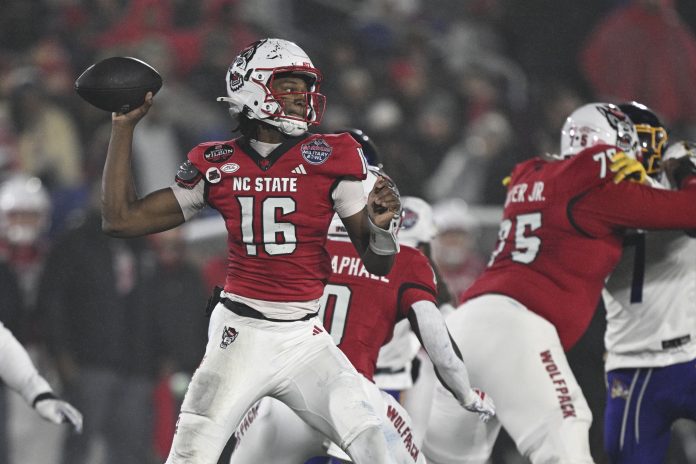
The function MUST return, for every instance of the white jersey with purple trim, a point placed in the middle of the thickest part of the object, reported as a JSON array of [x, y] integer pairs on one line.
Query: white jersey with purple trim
[[651, 302]]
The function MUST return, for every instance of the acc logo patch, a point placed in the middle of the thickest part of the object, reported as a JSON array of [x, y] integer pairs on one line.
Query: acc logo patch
[[213, 175], [218, 153], [229, 167], [316, 152], [229, 335]]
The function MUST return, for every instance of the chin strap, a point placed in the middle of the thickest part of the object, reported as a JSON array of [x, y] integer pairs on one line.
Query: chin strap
[[286, 126], [291, 128]]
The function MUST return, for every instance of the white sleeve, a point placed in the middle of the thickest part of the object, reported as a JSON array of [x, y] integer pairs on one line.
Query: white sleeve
[[191, 201], [17, 370], [349, 198], [437, 343]]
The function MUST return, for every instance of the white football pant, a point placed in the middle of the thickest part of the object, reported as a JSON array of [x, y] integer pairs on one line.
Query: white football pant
[[516, 357], [276, 434], [247, 359]]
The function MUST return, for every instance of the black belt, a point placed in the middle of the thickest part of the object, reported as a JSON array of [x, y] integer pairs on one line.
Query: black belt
[[240, 309]]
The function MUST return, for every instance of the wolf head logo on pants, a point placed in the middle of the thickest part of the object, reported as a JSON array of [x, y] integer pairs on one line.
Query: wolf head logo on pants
[[229, 334]]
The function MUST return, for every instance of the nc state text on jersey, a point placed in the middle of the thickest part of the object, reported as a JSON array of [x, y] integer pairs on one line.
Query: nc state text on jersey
[[516, 194], [264, 184]]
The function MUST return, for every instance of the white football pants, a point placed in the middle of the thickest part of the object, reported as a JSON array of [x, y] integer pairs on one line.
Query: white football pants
[[516, 357], [247, 359]]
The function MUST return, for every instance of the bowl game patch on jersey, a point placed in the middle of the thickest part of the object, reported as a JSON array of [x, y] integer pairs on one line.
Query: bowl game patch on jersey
[[316, 151]]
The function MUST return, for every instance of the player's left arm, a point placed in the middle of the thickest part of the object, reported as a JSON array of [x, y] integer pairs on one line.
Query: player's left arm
[[373, 230], [430, 328], [20, 374]]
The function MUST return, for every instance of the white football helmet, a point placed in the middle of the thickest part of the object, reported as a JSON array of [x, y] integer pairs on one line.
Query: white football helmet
[[598, 123], [250, 82], [417, 225], [24, 209], [454, 214]]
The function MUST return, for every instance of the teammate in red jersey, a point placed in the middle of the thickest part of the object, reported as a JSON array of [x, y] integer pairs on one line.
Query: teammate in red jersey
[[360, 310], [277, 188], [560, 236]]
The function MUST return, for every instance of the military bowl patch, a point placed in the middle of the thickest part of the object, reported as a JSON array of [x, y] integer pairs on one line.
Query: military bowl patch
[[218, 153], [316, 152]]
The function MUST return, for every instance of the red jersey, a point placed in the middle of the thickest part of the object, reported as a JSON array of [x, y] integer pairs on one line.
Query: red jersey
[[360, 309], [562, 231], [277, 210]]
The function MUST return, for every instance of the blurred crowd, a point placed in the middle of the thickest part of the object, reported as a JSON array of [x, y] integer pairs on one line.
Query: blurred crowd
[[454, 93]]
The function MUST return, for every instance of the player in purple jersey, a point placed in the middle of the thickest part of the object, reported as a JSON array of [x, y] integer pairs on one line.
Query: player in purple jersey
[[651, 322]]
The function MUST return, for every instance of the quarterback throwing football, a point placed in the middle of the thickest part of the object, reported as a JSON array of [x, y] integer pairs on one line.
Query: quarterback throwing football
[[277, 188]]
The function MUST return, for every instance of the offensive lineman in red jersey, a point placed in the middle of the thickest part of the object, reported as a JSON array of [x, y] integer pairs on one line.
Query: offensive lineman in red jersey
[[277, 187], [561, 235], [360, 310]]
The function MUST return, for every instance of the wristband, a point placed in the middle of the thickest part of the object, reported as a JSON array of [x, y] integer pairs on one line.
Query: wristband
[[383, 242], [43, 396]]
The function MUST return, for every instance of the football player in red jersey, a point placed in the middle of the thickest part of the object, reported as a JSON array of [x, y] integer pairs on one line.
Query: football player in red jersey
[[560, 236], [277, 188], [360, 310]]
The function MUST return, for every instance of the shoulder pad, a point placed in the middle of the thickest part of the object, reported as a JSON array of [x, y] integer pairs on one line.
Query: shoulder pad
[[594, 161], [188, 175], [334, 154], [341, 138]]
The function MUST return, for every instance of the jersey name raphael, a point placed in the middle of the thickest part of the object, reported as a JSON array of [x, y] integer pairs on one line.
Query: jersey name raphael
[[359, 309], [277, 210]]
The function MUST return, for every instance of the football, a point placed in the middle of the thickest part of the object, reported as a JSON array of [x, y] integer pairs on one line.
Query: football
[[118, 84]]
